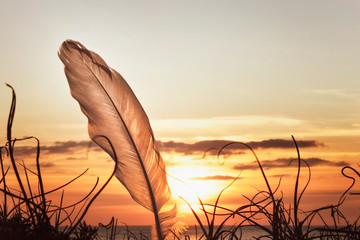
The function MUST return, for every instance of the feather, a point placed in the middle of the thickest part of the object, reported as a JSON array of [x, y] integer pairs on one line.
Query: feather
[[114, 111]]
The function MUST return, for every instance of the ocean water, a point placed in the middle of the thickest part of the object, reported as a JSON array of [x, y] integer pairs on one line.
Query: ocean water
[[192, 233], [144, 232]]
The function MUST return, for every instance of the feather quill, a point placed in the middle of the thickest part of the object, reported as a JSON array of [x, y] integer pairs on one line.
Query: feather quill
[[114, 111]]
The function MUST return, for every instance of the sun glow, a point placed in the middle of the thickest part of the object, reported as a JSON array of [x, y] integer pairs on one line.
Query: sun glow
[[189, 190], [189, 193]]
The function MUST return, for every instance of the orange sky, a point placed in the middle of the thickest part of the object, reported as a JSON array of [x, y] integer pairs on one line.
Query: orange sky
[[204, 73], [204, 175]]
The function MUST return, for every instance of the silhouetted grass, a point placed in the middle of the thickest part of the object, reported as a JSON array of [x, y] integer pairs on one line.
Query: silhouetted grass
[[285, 222], [26, 213]]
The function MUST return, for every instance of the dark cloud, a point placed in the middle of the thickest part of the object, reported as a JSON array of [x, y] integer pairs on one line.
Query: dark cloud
[[284, 163], [280, 175], [211, 147], [24, 150], [76, 158], [283, 143], [47, 164], [318, 162], [65, 147], [43, 165], [57, 147], [208, 147], [215, 177]]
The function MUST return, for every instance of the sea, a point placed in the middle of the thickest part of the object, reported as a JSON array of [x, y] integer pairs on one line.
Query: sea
[[192, 232]]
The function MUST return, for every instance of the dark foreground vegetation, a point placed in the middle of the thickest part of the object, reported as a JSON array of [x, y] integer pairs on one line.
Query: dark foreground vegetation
[[28, 214]]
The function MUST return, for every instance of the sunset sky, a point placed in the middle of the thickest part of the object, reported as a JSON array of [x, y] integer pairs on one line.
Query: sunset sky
[[206, 73]]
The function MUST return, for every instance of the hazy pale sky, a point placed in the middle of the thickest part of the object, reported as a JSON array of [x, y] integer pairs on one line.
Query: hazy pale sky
[[189, 59], [203, 70]]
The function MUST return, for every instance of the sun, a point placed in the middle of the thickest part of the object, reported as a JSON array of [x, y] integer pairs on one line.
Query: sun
[[189, 190]]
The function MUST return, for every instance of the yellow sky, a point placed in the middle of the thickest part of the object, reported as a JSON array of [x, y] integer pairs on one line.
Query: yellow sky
[[240, 70]]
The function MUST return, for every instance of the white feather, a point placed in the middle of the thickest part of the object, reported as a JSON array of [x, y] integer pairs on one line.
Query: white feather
[[113, 111]]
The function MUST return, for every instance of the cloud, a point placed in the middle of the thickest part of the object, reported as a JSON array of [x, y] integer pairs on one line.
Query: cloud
[[346, 94], [47, 164], [62, 147], [215, 177], [282, 143], [43, 165], [280, 175], [76, 158], [284, 163], [211, 147], [208, 147], [24, 150], [57, 147]]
